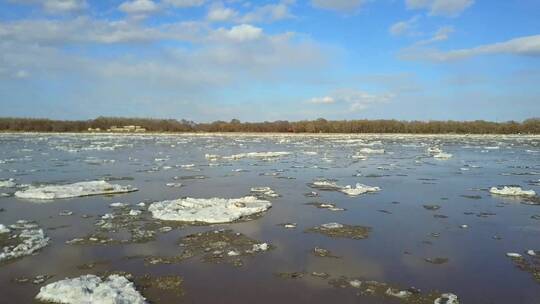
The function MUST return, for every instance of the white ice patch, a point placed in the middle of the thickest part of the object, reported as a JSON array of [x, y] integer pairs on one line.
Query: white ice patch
[[8, 183], [442, 155], [359, 189], [91, 289], [212, 210], [332, 226], [511, 191], [447, 298], [31, 240], [72, 190], [261, 155], [4, 229], [371, 151]]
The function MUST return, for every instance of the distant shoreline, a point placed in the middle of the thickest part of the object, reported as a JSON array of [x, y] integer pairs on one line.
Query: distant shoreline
[[120, 125]]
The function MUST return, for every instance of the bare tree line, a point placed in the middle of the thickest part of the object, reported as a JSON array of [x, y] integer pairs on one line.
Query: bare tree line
[[529, 126]]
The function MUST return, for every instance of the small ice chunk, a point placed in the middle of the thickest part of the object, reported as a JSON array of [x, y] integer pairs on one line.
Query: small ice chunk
[[107, 216], [212, 210], [4, 229], [31, 240], [402, 294], [359, 189], [332, 226], [511, 191], [442, 155], [118, 205], [260, 247], [134, 212], [513, 255], [533, 252], [8, 183], [72, 190], [89, 288], [372, 151], [447, 298], [233, 253], [355, 283]]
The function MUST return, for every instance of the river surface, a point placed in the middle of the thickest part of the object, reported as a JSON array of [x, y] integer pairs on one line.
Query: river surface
[[403, 233]]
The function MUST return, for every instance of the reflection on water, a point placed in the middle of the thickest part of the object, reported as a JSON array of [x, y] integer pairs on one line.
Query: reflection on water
[[404, 233]]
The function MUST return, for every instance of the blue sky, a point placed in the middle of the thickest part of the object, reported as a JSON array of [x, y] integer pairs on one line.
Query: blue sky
[[206, 60]]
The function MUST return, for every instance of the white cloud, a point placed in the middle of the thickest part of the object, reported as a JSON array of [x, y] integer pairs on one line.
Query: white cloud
[[56, 6], [355, 100], [404, 27], [323, 100], [241, 33], [338, 5], [139, 7], [522, 46], [266, 13], [450, 8], [220, 13], [184, 3]]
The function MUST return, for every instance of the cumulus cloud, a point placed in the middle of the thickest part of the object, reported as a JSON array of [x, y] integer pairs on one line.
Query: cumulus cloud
[[56, 6], [449, 8], [219, 13], [338, 5], [268, 13], [522, 46], [240, 33], [139, 7], [355, 100]]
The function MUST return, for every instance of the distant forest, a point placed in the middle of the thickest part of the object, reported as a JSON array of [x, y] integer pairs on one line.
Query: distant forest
[[529, 126]]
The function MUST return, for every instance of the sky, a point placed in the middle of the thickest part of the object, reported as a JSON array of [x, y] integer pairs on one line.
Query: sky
[[206, 60]]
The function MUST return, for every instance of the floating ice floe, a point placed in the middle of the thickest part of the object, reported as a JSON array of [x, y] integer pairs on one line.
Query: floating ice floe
[[511, 191], [514, 255], [91, 289], [447, 298], [372, 151], [8, 183], [359, 189], [72, 190], [262, 155], [442, 155], [212, 210], [349, 190], [30, 239], [264, 191]]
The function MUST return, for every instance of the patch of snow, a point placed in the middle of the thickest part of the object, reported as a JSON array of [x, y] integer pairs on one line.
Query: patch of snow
[[402, 294], [134, 212], [212, 210], [355, 283], [72, 190], [89, 289], [260, 247], [511, 191]]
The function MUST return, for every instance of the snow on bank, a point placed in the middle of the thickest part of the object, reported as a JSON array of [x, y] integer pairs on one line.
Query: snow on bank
[[89, 289], [211, 210], [72, 190], [31, 238], [511, 191]]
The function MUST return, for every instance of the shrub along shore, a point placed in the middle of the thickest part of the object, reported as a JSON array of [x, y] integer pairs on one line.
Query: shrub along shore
[[529, 126]]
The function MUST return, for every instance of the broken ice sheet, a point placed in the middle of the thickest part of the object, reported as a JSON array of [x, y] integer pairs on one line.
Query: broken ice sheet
[[52, 192], [91, 289], [21, 239], [337, 230], [211, 210]]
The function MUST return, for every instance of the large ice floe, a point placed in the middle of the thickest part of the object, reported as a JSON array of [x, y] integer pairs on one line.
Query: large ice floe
[[91, 289], [511, 191], [23, 238], [72, 190], [211, 210]]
